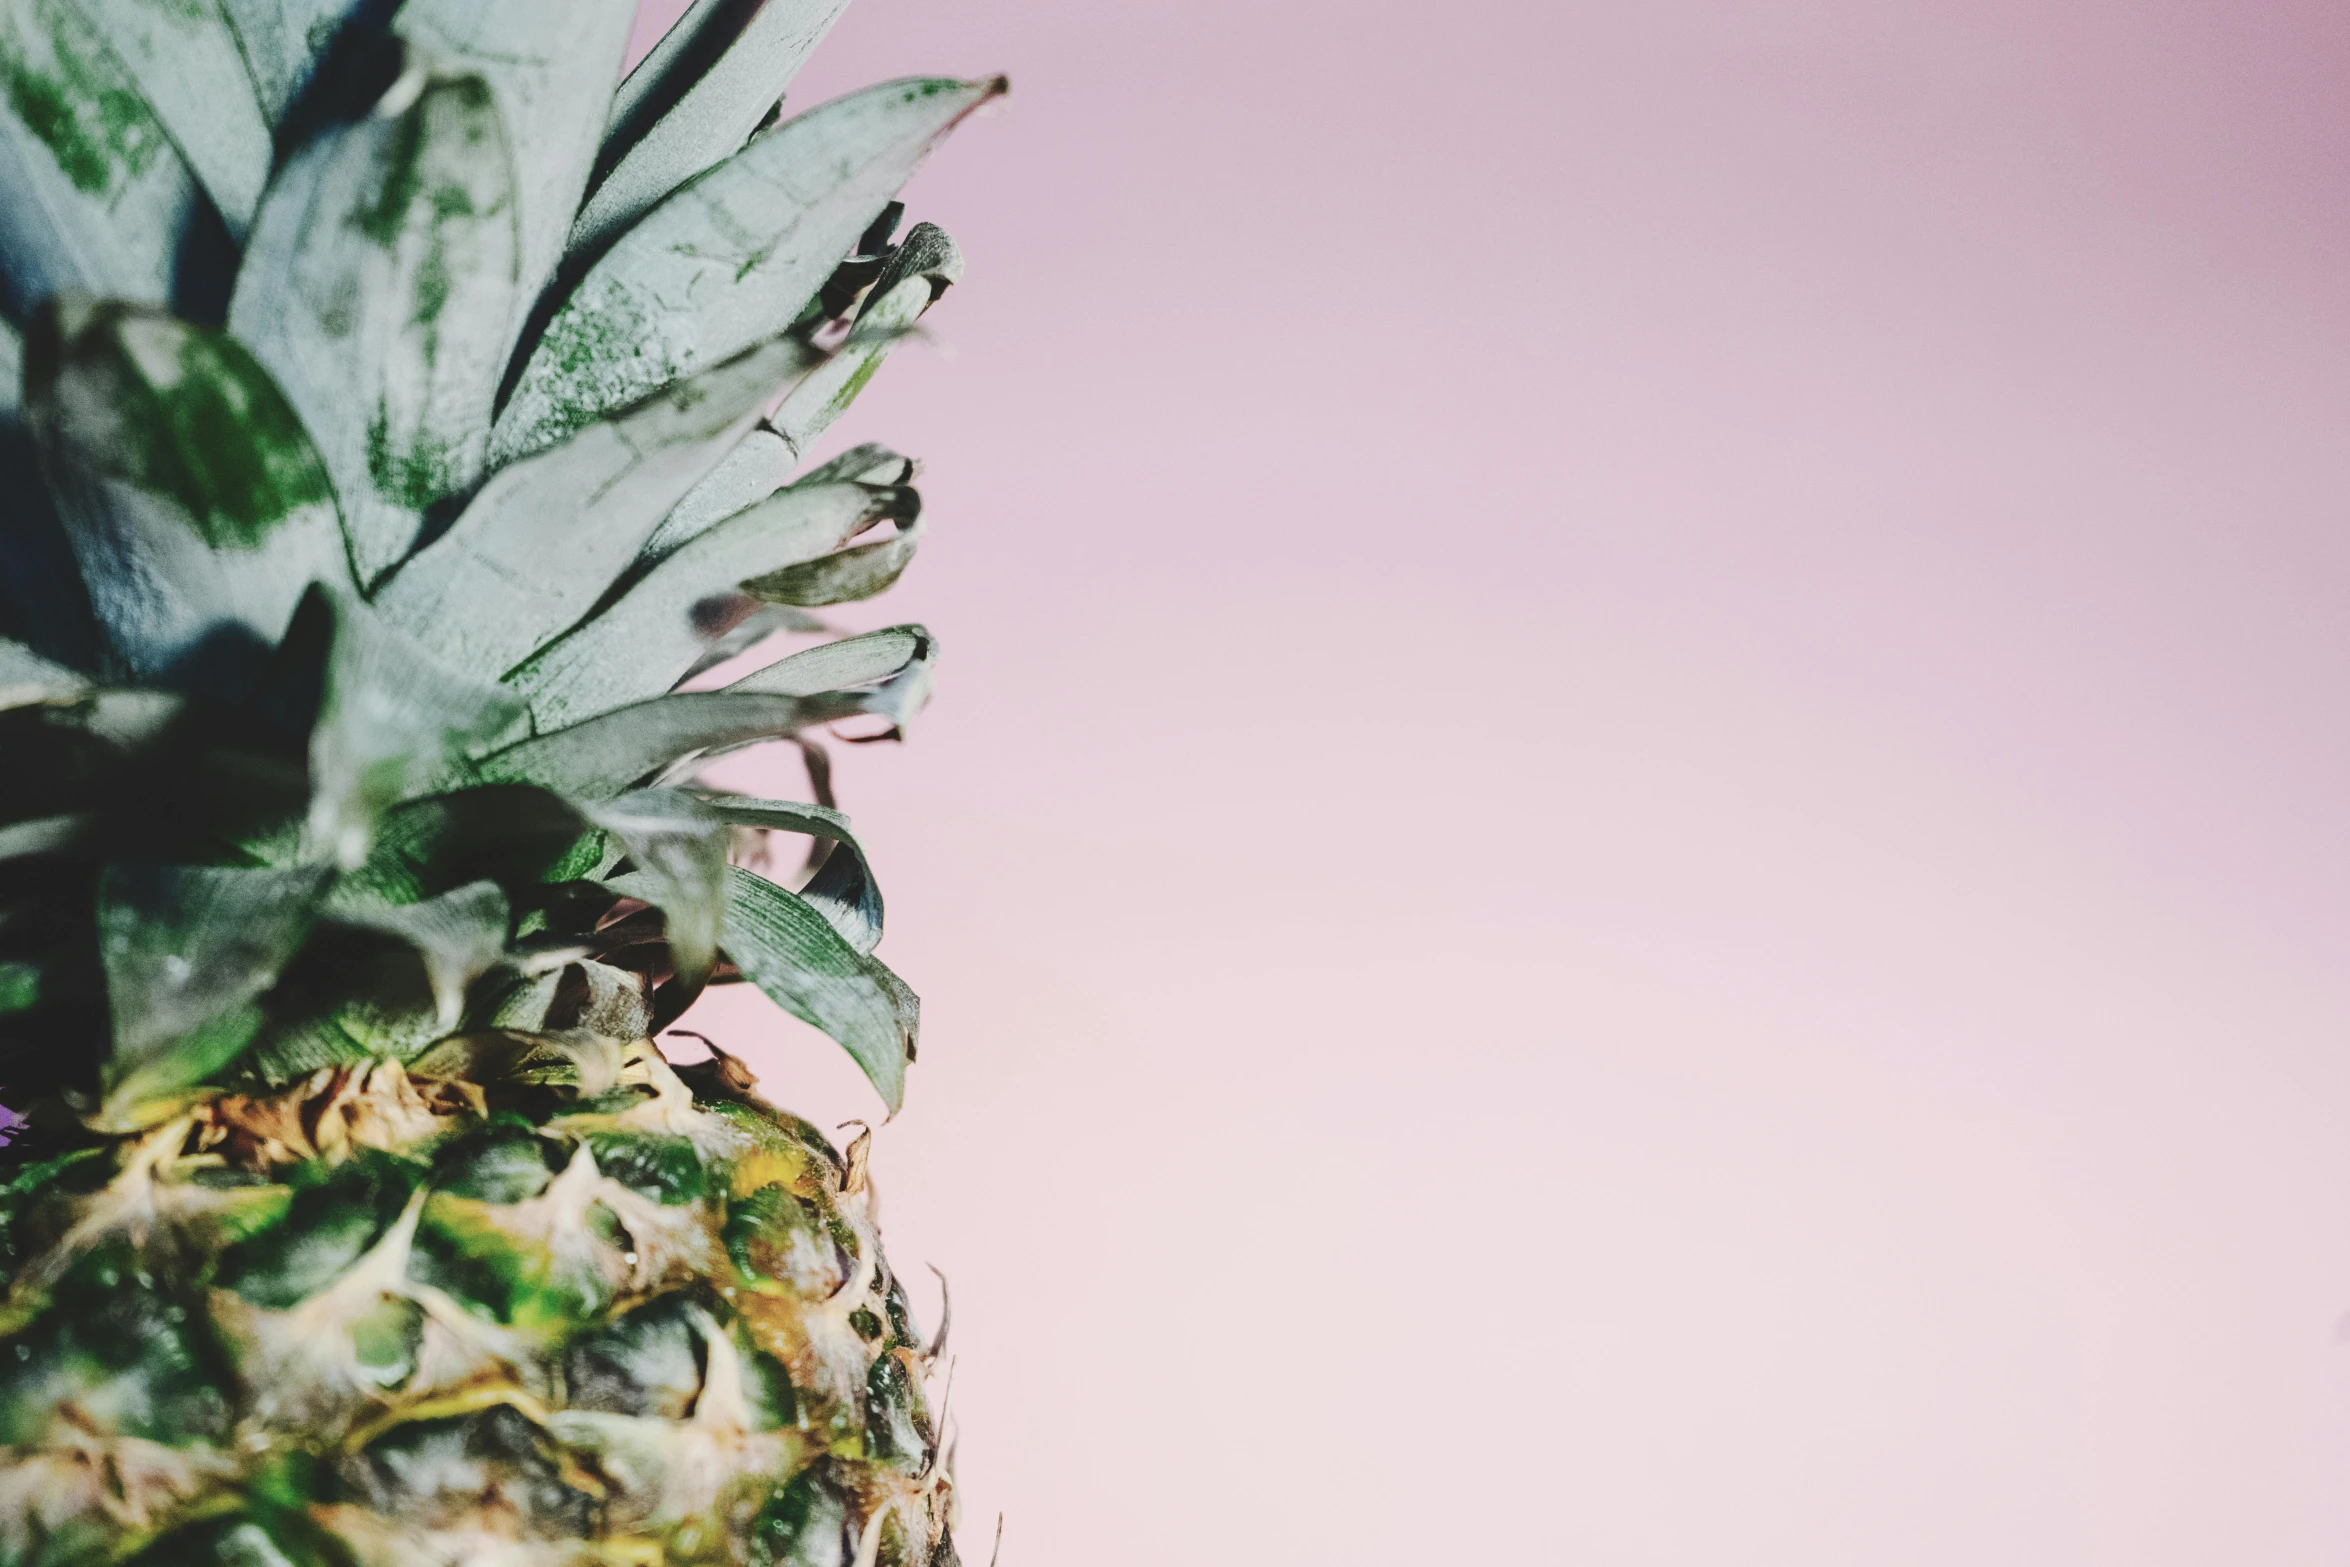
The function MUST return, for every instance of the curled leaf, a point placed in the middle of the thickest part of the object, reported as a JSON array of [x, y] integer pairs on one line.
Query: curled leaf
[[794, 954], [646, 639], [730, 259]]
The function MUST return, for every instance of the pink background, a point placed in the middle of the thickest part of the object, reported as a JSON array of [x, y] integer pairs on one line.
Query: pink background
[[1635, 848]]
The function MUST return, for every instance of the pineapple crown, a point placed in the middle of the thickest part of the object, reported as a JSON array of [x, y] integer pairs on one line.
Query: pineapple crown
[[397, 407]]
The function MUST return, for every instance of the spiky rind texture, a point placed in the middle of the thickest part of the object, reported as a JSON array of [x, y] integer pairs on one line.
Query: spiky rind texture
[[547, 1300]]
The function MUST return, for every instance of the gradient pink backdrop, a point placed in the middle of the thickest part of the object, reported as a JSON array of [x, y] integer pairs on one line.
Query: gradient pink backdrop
[[1636, 848]]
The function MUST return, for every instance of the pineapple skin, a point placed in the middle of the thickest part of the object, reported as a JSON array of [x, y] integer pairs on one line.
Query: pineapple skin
[[560, 1303]]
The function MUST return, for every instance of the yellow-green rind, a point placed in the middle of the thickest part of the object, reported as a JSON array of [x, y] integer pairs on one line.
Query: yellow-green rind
[[578, 1306]]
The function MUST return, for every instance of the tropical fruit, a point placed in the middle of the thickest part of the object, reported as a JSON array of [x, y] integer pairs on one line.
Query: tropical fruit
[[403, 424]]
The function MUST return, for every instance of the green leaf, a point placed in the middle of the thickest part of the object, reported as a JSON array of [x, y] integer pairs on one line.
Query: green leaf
[[615, 751], [379, 288], [677, 846], [188, 952], [11, 370], [190, 67], [553, 65], [922, 269], [98, 196], [760, 464], [27, 679], [458, 937], [793, 953], [583, 995], [884, 674], [843, 889], [41, 598], [766, 621], [545, 538], [843, 577], [646, 640], [393, 995], [730, 259], [45, 835], [20, 987], [703, 32], [392, 721], [284, 41], [866, 464], [872, 659], [190, 492], [519, 838], [724, 104]]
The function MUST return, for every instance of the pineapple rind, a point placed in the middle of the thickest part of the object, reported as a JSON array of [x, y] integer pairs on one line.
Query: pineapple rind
[[440, 1316]]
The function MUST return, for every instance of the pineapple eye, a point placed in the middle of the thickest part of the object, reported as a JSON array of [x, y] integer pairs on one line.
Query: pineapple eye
[[327, 1227], [662, 1167], [508, 1162]]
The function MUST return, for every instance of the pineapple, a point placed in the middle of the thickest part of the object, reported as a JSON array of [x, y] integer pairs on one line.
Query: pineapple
[[401, 409]]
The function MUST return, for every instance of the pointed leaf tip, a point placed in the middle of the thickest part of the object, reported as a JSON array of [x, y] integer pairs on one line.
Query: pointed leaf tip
[[731, 258]]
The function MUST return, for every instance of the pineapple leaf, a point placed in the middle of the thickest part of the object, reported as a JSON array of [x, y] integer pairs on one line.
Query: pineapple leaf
[[378, 289], [28, 680], [284, 42], [11, 370], [866, 464], [922, 269], [731, 258], [391, 721], [458, 937], [544, 539], [793, 953], [843, 577], [677, 847], [188, 952], [713, 117], [760, 464], [876, 658], [843, 889], [886, 673], [191, 494], [614, 752], [766, 621], [553, 65], [98, 196], [190, 67], [646, 640], [41, 597], [703, 32], [517, 838]]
